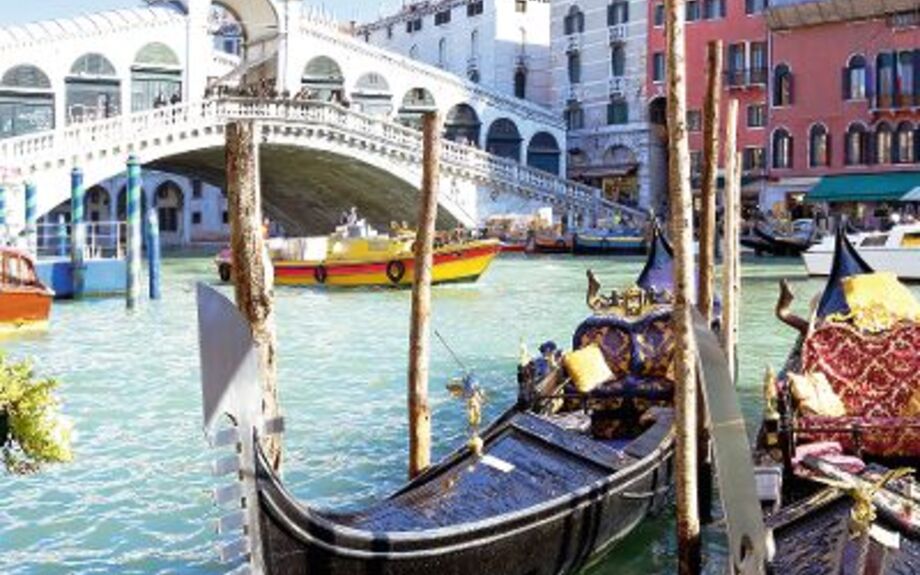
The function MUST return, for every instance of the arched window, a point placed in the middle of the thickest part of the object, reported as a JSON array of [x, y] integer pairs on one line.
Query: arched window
[[857, 145], [782, 86], [574, 66], [442, 53], [543, 153], [462, 125], [782, 149], [474, 44], [904, 148], [504, 140], [618, 59], [372, 95], [26, 101], [156, 77], [93, 89], [520, 82], [884, 82], [617, 12], [574, 21], [818, 146], [883, 147], [323, 80], [854, 79]]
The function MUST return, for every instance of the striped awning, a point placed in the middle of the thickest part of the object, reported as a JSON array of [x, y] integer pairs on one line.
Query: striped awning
[[890, 187]]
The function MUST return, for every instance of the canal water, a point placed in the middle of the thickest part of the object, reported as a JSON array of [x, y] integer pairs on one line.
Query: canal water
[[136, 497]]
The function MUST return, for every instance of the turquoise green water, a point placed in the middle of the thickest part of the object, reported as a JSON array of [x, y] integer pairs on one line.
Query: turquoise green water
[[135, 500]]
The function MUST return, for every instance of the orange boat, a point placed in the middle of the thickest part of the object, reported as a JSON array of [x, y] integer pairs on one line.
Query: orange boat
[[25, 302]]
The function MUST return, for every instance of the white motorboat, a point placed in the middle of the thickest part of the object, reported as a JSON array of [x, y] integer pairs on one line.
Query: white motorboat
[[896, 250]]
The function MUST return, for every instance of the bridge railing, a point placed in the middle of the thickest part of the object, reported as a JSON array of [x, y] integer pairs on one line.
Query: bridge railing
[[80, 138], [103, 239]]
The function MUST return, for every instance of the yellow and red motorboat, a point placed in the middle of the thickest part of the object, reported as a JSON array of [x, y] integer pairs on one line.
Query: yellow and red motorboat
[[356, 255], [25, 302]]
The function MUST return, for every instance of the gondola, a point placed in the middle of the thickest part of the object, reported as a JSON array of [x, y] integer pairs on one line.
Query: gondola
[[766, 238], [622, 241], [837, 421], [557, 479]]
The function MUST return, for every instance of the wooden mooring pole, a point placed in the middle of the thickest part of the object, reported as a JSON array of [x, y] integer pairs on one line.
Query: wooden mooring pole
[[680, 224], [730, 261], [419, 334], [706, 270], [252, 268]]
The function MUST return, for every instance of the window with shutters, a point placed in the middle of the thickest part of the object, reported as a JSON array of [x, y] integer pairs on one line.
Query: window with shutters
[[905, 80], [713, 9], [692, 8], [574, 66], [658, 67], [756, 116], [617, 111], [474, 8], [905, 146], [885, 80], [856, 145], [618, 60], [818, 147], [617, 13], [441, 18], [574, 21], [659, 14], [753, 159], [883, 148]]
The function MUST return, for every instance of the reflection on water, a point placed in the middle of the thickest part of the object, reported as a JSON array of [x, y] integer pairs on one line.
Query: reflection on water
[[135, 500]]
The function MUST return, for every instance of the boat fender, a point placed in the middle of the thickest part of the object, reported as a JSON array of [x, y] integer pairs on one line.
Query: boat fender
[[395, 271], [319, 274]]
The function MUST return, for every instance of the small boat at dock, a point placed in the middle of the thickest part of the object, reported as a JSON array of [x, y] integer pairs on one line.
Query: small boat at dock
[[896, 250], [781, 238], [25, 302], [610, 242], [568, 471], [548, 241]]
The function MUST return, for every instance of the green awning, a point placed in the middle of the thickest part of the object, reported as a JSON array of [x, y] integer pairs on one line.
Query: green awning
[[891, 187]]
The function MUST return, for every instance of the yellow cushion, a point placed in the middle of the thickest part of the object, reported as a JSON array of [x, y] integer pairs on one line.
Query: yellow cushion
[[878, 301], [815, 396], [912, 409], [587, 367]]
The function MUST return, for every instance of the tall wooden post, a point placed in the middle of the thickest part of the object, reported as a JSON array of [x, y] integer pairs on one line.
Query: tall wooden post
[[730, 251], [252, 268], [706, 269], [710, 171], [133, 230], [680, 224], [77, 233], [419, 334]]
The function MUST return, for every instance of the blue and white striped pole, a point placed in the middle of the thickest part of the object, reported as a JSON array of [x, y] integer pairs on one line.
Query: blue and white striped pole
[[153, 252], [77, 233], [31, 216], [133, 279]]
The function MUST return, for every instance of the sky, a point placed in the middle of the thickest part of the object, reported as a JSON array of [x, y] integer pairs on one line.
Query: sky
[[20, 12]]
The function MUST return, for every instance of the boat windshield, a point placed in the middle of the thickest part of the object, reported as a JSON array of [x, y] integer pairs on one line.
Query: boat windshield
[[874, 241], [16, 270]]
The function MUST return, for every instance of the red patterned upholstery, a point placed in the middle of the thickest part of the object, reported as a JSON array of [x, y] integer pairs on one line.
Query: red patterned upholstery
[[876, 376], [879, 436]]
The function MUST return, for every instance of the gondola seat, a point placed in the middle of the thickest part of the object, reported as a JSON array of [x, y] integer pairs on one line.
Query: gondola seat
[[639, 353], [877, 378]]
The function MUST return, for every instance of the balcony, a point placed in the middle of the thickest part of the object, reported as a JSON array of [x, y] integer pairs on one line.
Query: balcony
[[573, 44], [617, 33], [618, 86], [745, 77]]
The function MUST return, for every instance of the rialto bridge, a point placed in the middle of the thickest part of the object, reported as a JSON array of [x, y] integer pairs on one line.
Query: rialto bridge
[[338, 118]]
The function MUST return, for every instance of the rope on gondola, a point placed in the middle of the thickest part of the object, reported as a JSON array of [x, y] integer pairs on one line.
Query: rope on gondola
[[395, 271]]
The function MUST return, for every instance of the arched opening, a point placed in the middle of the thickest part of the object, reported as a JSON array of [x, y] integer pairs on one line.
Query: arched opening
[[857, 145], [26, 101], [620, 182], [443, 56], [854, 79], [462, 125], [416, 102], [372, 95], [520, 82], [618, 59], [904, 150], [226, 30], [93, 89], [97, 205], [883, 145], [156, 77], [885, 84], [169, 205], [782, 149], [658, 111], [574, 115], [504, 140], [782, 86], [818, 146], [323, 80], [543, 153], [574, 21]]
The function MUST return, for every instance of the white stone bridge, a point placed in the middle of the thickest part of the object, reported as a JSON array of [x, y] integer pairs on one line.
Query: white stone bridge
[[346, 139]]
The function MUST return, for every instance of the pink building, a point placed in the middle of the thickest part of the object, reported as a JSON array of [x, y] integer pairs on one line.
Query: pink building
[[844, 100], [741, 26]]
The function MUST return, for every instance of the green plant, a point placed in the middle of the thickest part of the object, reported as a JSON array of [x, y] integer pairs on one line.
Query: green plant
[[32, 430]]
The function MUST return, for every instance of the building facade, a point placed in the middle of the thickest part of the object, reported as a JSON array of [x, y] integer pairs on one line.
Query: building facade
[[741, 26], [844, 97], [503, 45], [598, 72]]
